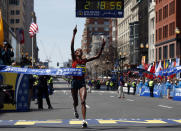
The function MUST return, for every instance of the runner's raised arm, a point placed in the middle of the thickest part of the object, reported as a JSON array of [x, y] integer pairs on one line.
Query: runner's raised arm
[[100, 52], [72, 43]]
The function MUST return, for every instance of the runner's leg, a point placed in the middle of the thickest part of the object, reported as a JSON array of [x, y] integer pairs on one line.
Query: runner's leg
[[83, 95], [74, 92]]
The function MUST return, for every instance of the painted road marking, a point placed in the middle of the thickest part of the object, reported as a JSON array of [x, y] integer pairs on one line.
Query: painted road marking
[[60, 122], [178, 121], [37, 122], [77, 122], [165, 106], [124, 121], [112, 96], [130, 100]]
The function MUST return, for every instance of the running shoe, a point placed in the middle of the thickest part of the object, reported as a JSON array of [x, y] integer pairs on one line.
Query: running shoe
[[76, 115], [84, 124]]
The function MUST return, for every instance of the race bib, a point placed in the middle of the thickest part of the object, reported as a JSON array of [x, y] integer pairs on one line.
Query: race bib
[[81, 66]]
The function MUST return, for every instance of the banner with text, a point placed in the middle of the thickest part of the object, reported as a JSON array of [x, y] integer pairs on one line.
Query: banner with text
[[59, 72]]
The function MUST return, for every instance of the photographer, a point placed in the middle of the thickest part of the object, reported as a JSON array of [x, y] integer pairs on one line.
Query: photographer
[[7, 53]]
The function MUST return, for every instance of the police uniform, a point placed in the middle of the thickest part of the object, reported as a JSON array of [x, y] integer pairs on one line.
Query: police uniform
[[151, 86]]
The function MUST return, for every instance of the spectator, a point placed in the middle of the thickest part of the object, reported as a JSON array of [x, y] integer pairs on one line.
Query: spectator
[[168, 86], [120, 88], [6, 54]]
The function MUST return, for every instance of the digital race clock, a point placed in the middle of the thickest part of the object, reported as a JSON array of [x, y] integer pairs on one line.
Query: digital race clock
[[100, 8]]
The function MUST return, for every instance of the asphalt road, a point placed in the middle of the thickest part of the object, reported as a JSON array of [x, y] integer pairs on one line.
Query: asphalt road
[[105, 111]]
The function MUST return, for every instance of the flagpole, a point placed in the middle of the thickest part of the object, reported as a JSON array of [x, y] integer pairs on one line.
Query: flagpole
[[32, 52]]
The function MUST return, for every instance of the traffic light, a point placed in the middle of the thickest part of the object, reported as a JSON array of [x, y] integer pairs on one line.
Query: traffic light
[[57, 63]]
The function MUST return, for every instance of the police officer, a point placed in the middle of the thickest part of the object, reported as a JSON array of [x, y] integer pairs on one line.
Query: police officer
[[35, 87], [128, 86], [151, 86], [43, 91], [50, 83], [111, 85], [134, 87], [107, 84]]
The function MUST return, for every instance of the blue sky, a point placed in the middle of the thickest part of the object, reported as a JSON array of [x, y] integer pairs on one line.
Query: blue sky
[[56, 20]]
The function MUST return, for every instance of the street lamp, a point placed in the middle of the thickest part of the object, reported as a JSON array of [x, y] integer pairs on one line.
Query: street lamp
[[122, 58], [178, 43], [143, 52], [177, 31]]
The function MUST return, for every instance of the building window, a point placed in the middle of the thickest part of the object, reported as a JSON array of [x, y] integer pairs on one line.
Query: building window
[[14, 2], [106, 28], [12, 12], [153, 38], [160, 53], [172, 8], [106, 23], [160, 34], [165, 31], [90, 28], [160, 14], [96, 29], [12, 21], [165, 52], [172, 50], [172, 28], [165, 12], [17, 12], [95, 23], [17, 20]]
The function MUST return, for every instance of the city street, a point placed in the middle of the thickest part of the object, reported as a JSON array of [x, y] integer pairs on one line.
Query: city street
[[104, 112]]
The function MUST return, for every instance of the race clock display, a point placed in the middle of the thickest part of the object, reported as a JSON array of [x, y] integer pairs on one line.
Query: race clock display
[[100, 8]]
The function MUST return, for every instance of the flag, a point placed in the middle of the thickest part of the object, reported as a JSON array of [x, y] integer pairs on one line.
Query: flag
[[1, 30], [159, 68], [164, 65], [33, 29], [20, 36], [149, 68], [152, 70], [177, 61], [167, 64]]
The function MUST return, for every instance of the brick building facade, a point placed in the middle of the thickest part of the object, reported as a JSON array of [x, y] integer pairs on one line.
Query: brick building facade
[[168, 19]]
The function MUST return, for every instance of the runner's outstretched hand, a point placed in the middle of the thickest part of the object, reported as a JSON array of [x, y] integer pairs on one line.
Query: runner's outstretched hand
[[75, 30]]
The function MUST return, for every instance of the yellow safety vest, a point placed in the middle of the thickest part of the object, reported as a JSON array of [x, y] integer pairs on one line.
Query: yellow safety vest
[[133, 84], [111, 83], [36, 81], [150, 83], [107, 83]]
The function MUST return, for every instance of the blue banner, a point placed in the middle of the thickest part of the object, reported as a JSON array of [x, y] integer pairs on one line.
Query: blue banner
[[62, 71], [169, 71], [177, 94]]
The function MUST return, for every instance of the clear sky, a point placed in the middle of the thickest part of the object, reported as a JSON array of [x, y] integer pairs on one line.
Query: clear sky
[[56, 20]]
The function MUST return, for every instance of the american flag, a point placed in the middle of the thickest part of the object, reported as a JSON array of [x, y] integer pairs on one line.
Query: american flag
[[33, 29]]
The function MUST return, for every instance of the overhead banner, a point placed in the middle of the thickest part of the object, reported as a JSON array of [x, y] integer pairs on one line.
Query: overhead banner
[[100, 8], [59, 72]]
